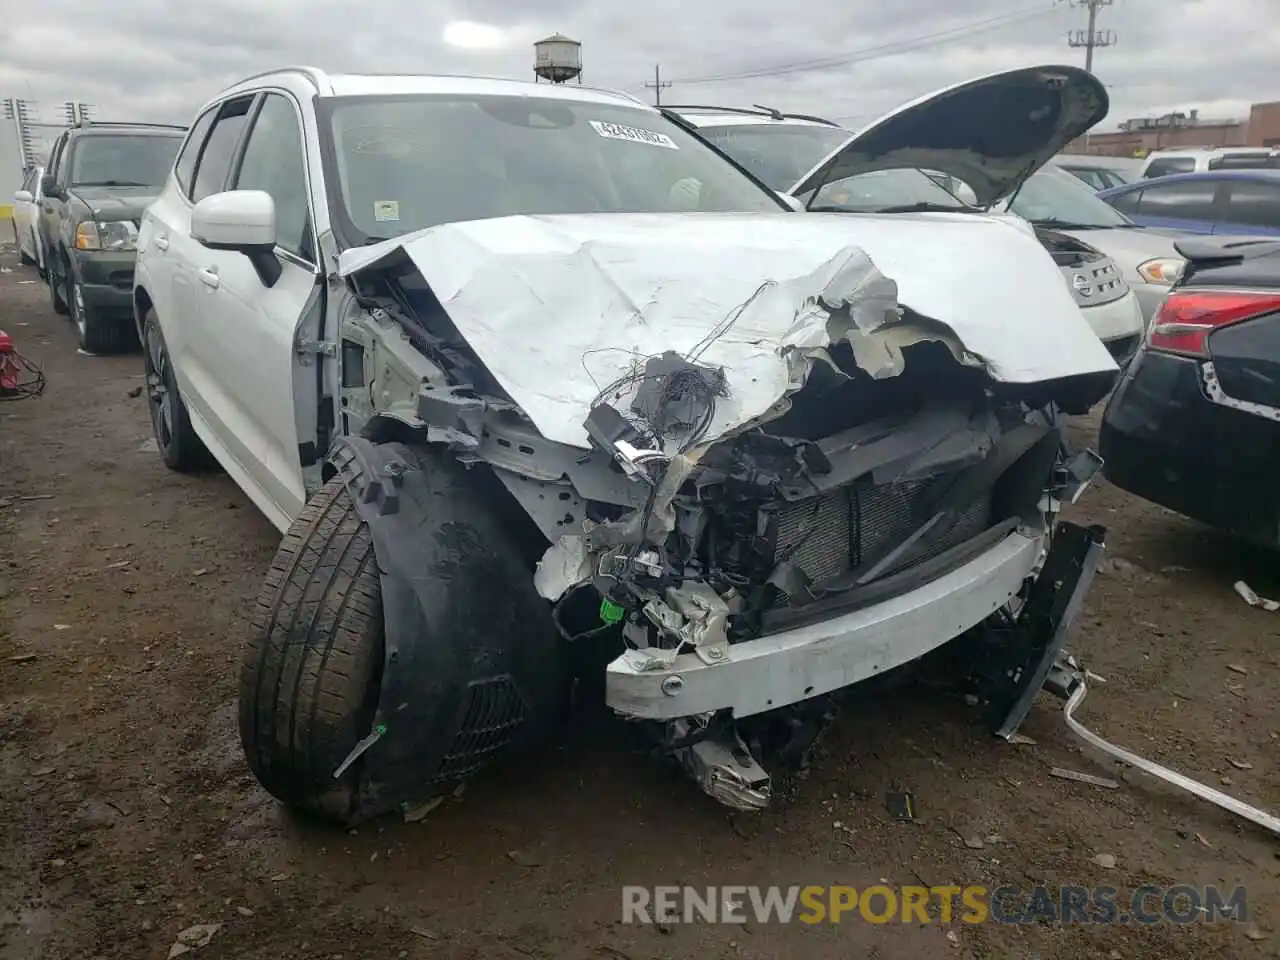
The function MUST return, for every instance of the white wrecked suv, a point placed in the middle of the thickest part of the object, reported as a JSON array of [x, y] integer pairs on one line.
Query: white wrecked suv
[[536, 384]]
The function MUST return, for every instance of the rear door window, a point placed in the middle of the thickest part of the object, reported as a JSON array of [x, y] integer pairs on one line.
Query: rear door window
[[1254, 203], [186, 164], [1191, 200], [1167, 165], [1126, 202], [1093, 178]]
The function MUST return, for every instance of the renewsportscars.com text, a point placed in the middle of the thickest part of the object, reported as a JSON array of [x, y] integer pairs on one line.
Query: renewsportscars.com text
[[882, 904]]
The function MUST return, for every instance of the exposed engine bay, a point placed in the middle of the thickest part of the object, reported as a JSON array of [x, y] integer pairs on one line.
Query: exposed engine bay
[[690, 516]]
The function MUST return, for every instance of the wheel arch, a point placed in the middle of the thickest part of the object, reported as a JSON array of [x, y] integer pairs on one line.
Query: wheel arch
[[474, 666], [142, 303]]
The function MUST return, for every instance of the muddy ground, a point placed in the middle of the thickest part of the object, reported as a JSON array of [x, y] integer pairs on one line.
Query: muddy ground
[[127, 813]]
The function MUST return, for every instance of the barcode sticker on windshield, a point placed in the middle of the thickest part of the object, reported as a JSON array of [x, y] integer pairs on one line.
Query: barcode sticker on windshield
[[618, 131]]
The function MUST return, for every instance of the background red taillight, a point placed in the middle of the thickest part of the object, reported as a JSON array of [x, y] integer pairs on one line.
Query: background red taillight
[[1188, 317]]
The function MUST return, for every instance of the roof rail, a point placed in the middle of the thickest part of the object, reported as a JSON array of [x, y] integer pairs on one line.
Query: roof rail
[[81, 124], [319, 79], [755, 111]]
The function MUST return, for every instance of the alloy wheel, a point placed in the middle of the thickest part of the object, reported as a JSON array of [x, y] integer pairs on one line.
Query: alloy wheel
[[158, 395]]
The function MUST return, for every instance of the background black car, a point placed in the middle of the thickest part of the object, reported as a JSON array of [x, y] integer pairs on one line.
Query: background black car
[[1195, 423], [99, 179]]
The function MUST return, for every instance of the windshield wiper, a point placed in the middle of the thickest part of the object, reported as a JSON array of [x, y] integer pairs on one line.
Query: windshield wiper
[[1054, 224], [110, 183], [925, 206]]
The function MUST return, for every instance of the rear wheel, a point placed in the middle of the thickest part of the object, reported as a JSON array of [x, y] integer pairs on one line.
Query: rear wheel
[[179, 446], [57, 295], [310, 675], [26, 259]]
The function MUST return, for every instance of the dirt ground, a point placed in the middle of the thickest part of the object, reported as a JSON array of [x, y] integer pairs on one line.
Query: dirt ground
[[127, 813]]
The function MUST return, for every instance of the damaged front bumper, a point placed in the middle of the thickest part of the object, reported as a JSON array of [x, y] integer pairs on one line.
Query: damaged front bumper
[[784, 668]]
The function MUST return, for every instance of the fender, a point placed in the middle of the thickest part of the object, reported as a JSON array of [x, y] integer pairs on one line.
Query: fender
[[473, 666]]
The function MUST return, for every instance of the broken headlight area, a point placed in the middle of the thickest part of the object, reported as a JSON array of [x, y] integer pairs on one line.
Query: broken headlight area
[[859, 482]]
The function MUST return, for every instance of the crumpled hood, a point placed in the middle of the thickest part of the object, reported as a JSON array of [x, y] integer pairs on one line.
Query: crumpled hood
[[990, 133], [116, 203], [559, 307]]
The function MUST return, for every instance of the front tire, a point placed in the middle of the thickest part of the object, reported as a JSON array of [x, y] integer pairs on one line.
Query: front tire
[[179, 446], [26, 259], [95, 333], [311, 673]]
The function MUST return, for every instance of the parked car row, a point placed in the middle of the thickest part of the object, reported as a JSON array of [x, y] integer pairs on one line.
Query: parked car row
[[720, 411], [80, 216]]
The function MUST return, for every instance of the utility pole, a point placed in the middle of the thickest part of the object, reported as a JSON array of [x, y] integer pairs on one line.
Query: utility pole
[[658, 85], [1091, 37]]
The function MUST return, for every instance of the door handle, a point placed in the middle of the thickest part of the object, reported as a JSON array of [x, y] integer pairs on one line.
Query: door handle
[[209, 277], [161, 241]]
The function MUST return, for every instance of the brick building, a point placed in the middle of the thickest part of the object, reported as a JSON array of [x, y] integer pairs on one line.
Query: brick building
[[1141, 136]]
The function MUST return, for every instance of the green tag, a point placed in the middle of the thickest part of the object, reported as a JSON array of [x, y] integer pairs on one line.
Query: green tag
[[611, 612]]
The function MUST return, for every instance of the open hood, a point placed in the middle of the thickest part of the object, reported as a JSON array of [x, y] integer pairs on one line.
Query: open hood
[[991, 133], [559, 307]]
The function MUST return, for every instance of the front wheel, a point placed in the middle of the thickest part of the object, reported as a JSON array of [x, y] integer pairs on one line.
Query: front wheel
[[310, 676], [96, 333], [472, 670]]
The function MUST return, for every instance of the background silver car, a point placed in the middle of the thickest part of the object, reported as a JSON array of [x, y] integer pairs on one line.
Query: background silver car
[[1099, 172], [1145, 255]]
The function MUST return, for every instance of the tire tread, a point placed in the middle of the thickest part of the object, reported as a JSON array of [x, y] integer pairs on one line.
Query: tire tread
[[314, 658]]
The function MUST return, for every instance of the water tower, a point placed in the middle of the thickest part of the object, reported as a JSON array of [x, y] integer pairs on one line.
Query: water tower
[[557, 58]]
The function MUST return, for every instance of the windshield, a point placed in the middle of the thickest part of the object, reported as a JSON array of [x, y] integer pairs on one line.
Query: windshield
[[125, 160], [779, 153], [1057, 196], [409, 162]]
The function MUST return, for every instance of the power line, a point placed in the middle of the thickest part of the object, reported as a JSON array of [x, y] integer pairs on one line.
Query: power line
[[882, 50], [1091, 37]]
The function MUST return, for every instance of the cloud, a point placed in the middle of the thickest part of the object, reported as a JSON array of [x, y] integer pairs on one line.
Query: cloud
[[158, 60]]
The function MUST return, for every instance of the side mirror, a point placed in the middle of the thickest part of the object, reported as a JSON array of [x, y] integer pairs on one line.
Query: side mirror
[[22, 196], [792, 202], [49, 187], [243, 221]]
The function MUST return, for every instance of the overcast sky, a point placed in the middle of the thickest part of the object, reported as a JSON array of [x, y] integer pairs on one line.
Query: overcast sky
[[160, 59]]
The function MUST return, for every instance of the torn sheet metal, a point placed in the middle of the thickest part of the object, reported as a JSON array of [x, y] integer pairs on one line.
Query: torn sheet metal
[[559, 307]]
